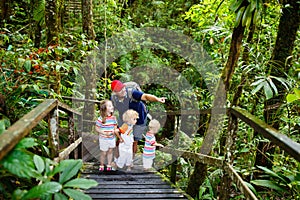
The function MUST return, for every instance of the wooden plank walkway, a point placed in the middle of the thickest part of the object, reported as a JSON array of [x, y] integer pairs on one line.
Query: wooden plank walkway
[[135, 184]]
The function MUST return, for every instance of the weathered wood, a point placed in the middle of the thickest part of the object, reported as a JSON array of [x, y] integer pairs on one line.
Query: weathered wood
[[130, 185], [287, 144], [239, 182], [194, 156], [53, 136], [10, 137], [64, 154]]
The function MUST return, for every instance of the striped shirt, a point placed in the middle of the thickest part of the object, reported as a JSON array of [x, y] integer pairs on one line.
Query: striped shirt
[[108, 127], [149, 148]]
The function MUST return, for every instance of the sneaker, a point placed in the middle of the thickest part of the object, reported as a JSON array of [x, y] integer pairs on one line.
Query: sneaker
[[101, 168], [108, 168]]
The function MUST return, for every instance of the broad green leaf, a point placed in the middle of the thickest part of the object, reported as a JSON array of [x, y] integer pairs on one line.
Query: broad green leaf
[[39, 163], [19, 163], [77, 195], [70, 170], [234, 6], [258, 81], [81, 183], [21, 62], [43, 190], [297, 92], [268, 184], [60, 196], [239, 16], [258, 87], [282, 81], [268, 90], [27, 65], [273, 86], [272, 173], [26, 143], [291, 97]]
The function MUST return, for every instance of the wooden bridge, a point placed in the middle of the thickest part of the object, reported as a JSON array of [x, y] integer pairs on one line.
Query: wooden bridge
[[136, 184]]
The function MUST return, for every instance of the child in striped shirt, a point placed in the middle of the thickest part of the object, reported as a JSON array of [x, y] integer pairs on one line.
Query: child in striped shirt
[[106, 127], [150, 144]]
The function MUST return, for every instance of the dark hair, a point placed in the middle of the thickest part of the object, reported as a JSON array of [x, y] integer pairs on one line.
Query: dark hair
[[103, 109]]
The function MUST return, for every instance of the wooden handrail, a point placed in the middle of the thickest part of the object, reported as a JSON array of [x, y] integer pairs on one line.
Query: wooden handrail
[[10, 137], [217, 162], [283, 141]]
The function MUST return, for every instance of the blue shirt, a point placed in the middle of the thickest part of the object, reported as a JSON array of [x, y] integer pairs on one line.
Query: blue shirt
[[135, 104]]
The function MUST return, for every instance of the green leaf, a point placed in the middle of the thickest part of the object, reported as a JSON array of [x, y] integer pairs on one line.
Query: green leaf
[[60, 196], [77, 195], [257, 88], [297, 92], [20, 163], [268, 90], [291, 97], [69, 170], [27, 65], [239, 16], [272, 173], [268, 184], [81, 183], [26, 143], [39, 163], [258, 81], [273, 86], [234, 6], [43, 190]]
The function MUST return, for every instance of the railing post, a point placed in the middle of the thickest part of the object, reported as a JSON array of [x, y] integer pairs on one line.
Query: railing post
[[79, 134], [53, 133], [71, 136], [175, 142]]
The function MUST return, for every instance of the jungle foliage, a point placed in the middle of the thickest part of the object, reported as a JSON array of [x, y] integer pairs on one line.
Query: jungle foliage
[[32, 70]]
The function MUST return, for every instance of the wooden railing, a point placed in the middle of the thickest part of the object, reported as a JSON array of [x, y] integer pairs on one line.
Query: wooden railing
[[51, 110], [285, 143]]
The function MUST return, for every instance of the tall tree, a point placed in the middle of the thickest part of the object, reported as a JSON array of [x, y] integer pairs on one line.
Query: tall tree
[[51, 19], [87, 19]]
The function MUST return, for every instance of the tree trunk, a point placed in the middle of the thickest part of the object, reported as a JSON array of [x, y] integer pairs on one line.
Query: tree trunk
[[281, 59], [51, 19], [87, 19], [5, 9]]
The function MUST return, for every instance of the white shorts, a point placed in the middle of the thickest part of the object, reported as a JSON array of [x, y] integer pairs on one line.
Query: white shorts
[[147, 163], [107, 144]]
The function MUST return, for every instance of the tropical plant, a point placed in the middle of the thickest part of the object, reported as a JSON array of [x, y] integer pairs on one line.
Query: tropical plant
[[284, 183], [37, 176]]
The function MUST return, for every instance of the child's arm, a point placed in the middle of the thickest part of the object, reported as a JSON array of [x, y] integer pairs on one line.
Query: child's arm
[[116, 131], [158, 144], [99, 131]]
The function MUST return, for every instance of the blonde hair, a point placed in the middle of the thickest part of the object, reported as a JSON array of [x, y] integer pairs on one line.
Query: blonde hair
[[129, 114], [154, 125]]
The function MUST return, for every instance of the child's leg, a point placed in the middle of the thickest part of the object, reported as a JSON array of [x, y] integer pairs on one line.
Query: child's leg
[[102, 157], [109, 156]]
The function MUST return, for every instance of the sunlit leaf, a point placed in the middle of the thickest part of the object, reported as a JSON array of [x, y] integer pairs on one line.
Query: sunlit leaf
[[81, 183], [77, 195], [39, 163], [43, 190]]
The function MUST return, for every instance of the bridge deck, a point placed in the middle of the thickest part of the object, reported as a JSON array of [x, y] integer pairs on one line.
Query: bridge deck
[[135, 184]]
